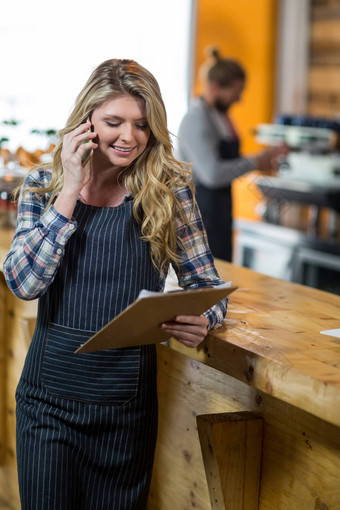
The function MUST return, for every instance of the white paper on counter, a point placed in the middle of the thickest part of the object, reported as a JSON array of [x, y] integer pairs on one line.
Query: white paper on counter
[[331, 332]]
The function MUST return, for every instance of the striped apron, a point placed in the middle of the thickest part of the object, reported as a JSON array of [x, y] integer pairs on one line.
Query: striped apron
[[87, 423]]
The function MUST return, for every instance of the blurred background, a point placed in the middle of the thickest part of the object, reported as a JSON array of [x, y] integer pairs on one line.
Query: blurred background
[[49, 52]]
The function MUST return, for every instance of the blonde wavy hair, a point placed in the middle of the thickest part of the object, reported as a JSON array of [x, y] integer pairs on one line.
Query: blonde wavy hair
[[155, 175]]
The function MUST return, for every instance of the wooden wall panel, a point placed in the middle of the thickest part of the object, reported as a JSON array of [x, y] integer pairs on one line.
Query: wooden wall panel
[[324, 51], [324, 33]]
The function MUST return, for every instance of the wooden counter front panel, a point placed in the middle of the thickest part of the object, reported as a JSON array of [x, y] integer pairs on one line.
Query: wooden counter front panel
[[3, 373], [17, 322], [301, 453]]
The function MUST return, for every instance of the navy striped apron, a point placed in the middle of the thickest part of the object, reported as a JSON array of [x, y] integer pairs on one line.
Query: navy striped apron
[[87, 423]]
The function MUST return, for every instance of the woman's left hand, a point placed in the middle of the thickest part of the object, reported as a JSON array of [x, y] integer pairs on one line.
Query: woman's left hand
[[190, 330]]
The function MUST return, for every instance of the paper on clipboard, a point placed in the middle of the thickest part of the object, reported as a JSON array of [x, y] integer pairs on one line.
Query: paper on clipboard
[[139, 323]]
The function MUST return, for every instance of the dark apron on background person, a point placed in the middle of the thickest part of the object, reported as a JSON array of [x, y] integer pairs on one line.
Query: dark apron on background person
[[87, 423], [216, 207]]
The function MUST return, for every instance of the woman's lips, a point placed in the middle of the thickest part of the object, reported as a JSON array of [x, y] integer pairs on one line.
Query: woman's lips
[[122, 150]]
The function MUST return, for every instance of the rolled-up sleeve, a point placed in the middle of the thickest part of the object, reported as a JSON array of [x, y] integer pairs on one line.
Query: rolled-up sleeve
[[196, 267], [38, 244]]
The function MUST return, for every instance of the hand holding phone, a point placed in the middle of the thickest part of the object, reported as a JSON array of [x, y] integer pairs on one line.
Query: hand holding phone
[[87, 155], [76, 151]]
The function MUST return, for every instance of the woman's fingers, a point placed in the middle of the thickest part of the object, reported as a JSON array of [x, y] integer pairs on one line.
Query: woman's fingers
[[187, 329], [76, 146], [79, 140]]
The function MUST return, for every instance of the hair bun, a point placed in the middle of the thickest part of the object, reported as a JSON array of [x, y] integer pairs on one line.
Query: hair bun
[[212, 52]]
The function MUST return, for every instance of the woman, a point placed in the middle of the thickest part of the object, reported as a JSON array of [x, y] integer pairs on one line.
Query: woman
[[208, 140], [115, 210]]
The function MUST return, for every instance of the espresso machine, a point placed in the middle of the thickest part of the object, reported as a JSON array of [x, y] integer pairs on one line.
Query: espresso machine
[[314, 145], [298, 235], [310, 173]]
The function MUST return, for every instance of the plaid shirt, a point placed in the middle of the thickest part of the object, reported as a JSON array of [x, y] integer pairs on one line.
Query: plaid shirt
[[39, 243]]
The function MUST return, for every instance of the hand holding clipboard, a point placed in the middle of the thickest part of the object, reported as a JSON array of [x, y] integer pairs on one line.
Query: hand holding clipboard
[[139, 323]]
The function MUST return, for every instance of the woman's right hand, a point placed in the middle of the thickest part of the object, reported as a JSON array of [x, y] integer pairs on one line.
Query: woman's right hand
[[75, 145]]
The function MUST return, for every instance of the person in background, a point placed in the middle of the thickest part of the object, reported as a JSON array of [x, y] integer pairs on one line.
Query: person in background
[[209, 141], [96, 226]]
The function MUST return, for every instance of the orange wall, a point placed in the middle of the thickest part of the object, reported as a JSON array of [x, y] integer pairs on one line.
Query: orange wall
[[244, 30]]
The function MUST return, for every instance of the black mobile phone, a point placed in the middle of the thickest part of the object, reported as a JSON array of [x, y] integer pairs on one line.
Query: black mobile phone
[[88, 153]]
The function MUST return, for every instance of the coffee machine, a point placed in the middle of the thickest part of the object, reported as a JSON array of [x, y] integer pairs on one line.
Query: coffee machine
[[314, 148]]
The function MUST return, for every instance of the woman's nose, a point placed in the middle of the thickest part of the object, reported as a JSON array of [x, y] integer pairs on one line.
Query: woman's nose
[[126, 133]]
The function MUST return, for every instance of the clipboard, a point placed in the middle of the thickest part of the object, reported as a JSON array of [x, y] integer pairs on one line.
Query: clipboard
[[139, 323]]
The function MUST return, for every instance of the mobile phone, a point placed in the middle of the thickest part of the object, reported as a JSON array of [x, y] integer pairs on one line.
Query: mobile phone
[[89, 152]]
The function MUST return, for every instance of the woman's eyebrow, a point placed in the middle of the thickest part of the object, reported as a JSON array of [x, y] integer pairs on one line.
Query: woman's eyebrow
[[117, 117]]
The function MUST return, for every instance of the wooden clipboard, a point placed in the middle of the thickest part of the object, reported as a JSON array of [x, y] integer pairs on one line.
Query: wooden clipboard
[[139, 323]]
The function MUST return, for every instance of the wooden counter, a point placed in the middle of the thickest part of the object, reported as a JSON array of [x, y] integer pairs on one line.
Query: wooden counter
[[269, 360], [272, 341]]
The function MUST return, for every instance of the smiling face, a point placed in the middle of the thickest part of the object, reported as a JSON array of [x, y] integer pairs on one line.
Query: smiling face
[[122, 130]]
